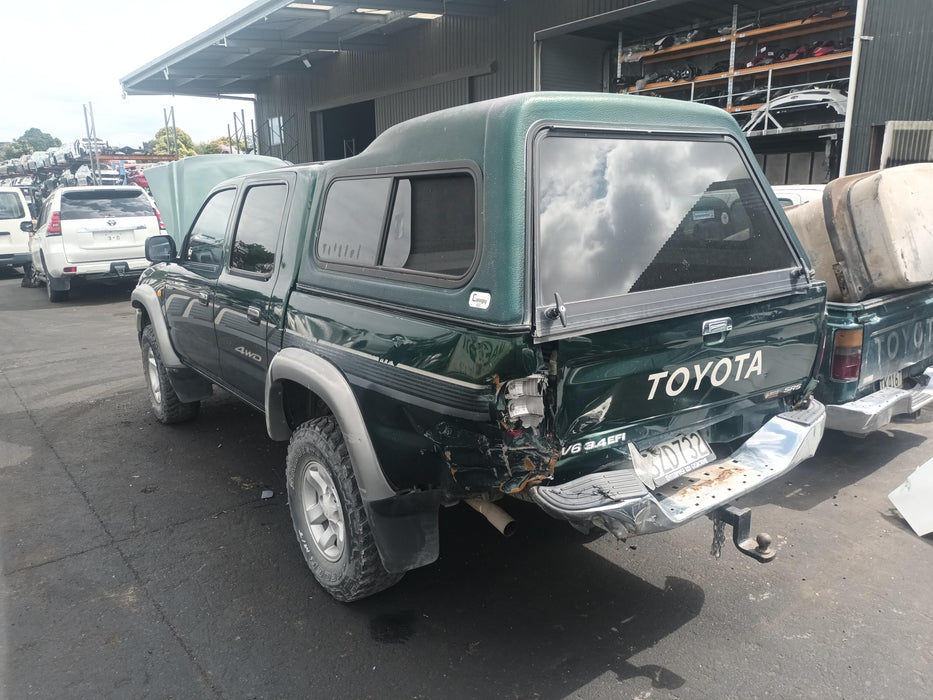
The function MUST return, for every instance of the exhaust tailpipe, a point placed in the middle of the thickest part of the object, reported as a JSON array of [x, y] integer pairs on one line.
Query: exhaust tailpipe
[[499, 519]]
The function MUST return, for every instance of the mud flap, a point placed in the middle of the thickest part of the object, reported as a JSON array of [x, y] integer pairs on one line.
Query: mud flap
[[405, 529], [188, 384]]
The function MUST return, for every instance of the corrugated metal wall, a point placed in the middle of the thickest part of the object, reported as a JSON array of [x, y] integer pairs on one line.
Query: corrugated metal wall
[[895, 79], [401, 78], [573, 63], [400, 106]]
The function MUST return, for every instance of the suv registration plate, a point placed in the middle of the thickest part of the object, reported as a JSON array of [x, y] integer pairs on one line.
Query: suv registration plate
[[669, 460]]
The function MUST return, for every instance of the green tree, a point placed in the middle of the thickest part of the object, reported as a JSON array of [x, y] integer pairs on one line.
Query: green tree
[[221, 146], [162, 146], [32, 140]]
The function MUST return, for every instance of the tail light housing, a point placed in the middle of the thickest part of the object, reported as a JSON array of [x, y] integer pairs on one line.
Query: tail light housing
[[55, 225], [159, 217], [847, 355]]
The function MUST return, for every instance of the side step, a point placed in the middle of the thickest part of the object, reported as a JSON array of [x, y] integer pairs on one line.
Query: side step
[[593, 493]]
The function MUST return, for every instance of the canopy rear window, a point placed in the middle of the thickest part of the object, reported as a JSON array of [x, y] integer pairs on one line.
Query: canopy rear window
[[98, 204], [622, 214]]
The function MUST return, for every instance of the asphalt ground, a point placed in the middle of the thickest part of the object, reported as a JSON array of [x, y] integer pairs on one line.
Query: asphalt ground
[[141, 561]]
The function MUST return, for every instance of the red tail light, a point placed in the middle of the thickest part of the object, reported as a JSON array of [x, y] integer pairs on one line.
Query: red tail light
[[847, 355], [55, 225], [159, 217]]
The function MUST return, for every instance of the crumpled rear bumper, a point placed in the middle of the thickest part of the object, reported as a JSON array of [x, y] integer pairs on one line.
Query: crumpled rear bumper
[[875, 411], [619, 502]]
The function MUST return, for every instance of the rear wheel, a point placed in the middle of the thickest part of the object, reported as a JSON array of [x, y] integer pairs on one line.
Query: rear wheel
[[55, 295], [166, 405], [328, 514]]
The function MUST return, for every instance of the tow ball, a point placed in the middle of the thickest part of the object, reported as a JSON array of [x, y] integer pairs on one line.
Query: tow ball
[[741, 521]]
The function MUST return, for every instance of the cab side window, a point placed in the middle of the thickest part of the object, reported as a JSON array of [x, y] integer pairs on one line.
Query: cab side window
[[412, 225], [257, 230], [205, 242]]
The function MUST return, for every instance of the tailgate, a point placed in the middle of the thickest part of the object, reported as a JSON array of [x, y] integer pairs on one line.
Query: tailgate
[[103, 224], [897, 333], [655, 381], [109, 239]]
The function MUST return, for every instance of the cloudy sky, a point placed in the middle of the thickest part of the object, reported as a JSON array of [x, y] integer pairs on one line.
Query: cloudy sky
[[60, 55]]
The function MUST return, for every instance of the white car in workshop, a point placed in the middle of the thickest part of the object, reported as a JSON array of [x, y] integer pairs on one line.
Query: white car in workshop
[[15, 225], [93, 234]]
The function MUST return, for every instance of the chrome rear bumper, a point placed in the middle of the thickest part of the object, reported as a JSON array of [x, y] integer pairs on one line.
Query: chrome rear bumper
[[876, 410], [619, 502]]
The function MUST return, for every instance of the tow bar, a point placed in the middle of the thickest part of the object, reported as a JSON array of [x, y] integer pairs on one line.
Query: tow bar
[[741, 521]]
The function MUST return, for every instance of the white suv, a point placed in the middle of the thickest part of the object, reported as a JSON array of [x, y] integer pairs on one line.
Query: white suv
[[15, 225], [92, 234]]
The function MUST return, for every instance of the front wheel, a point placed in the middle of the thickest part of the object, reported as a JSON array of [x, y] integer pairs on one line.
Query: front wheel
[[166, 405], [328, 514]]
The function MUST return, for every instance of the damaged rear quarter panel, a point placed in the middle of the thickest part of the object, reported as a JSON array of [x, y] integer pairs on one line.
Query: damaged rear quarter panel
[[427, 391]]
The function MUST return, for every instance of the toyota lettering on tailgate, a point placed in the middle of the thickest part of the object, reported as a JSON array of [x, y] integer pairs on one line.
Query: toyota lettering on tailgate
[[719, 372]]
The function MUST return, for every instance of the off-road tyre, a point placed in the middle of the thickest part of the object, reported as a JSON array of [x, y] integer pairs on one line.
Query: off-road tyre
[[318, 472], [166, 405]]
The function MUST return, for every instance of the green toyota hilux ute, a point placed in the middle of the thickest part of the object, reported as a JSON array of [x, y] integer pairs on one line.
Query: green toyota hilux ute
[[588, 301]]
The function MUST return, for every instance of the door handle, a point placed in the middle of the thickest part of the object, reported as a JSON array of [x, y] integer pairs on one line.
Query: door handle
[[715, 330], [253, 314], [204, 298]]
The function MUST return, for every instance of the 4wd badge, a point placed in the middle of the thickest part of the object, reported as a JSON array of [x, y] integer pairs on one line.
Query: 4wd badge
[[254, 356]]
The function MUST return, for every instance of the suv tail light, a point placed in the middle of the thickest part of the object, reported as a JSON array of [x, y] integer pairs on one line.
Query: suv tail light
[[847, 355], [159, 217], [55, 225]]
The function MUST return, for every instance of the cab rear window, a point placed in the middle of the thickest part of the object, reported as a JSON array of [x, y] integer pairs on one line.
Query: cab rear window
[[100, 205], [618, 215]]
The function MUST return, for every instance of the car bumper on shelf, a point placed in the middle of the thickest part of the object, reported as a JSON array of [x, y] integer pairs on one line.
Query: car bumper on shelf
[[875, 411], [619, 502]]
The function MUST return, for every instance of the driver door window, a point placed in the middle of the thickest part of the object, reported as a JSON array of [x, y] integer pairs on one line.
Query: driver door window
[[204, 245]]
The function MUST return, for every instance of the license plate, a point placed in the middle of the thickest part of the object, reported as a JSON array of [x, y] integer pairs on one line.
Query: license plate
[[108, 237], [892, 381], [669, 460]]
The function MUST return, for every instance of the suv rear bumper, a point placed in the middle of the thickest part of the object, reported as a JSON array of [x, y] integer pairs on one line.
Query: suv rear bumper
[[16, 259], [619, 502], [875, 411], [99, 270]]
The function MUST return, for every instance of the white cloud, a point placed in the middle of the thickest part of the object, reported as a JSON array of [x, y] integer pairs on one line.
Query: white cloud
[[73, 53]]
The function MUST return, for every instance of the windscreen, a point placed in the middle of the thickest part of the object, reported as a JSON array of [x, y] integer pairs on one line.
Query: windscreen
[[100, 204], [11, 206], [618, 215]]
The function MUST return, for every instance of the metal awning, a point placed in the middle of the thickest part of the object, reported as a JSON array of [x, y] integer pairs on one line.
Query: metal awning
[[654, 18], [272, 37]]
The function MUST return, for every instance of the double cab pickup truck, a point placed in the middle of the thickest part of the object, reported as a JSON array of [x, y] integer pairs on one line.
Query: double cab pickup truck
[[592, 302]]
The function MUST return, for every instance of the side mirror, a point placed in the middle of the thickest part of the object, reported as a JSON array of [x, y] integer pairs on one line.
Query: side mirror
[[27, 227], [160, 249]]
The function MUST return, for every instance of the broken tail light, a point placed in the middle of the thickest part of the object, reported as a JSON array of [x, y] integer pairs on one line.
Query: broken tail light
[[847, 355], [55, 225], [524, 400]]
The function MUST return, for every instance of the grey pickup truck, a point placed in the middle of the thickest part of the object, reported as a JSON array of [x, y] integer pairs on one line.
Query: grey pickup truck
[[592, 302]]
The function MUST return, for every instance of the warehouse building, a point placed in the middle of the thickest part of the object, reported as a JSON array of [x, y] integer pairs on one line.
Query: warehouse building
[[820, 88]]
